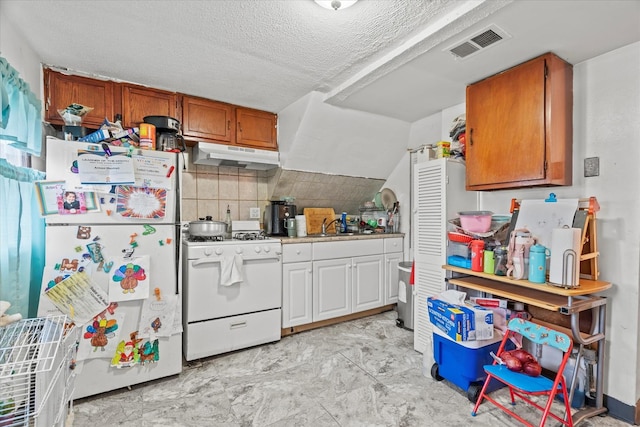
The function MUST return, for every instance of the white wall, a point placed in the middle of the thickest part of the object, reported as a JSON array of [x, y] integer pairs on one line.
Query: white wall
[[606, 125], [19, 54], [24, 60], [317, 137]]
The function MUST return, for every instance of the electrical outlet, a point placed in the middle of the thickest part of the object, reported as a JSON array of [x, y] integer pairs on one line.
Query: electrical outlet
[[591, 166], [254, 213]]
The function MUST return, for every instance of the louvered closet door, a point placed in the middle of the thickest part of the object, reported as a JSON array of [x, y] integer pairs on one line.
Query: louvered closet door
[[438, 195]]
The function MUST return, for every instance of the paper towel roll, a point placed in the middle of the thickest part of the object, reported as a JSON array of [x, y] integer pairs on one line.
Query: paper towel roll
[[301, 225], [561, 240]]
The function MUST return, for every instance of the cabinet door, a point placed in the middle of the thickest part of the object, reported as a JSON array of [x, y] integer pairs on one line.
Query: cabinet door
[[62, 90], [391, 278], [367, 282], [296, 294], [438, 195], [203, 119], [139, 101], [331, 288], [519, 127], [255, 128]]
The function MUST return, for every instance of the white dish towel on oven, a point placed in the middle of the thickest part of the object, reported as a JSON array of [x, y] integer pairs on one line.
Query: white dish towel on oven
[[231, 268]]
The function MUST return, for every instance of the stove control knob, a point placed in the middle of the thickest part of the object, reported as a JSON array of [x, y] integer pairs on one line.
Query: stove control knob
[[219, 251], [257, 249], [267, 249], [208, 251], [238, 251]]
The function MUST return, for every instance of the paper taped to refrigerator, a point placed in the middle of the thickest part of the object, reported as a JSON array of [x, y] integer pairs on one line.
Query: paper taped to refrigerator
[[78, 297]]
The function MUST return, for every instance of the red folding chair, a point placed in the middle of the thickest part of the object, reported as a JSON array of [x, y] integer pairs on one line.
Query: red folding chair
[[523, 385]]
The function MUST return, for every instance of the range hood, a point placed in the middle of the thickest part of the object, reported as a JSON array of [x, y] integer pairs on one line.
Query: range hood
[[205, 153]]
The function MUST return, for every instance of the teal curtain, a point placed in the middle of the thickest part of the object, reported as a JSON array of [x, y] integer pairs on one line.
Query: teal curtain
[[22, 239], [20, 112]]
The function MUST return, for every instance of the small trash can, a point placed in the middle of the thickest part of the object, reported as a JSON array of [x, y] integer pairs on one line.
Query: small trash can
[[405, 296]]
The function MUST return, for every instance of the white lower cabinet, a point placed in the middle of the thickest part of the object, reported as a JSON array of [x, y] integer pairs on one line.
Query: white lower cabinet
[[331, 288], [367, 282], [296, 294], [391, 262], [325, 280], [296, 284]]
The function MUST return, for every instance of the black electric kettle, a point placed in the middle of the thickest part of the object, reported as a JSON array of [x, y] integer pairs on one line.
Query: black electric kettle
[[168, 136]]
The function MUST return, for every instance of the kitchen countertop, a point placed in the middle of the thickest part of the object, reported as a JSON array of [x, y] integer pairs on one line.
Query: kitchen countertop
[[338, 237]]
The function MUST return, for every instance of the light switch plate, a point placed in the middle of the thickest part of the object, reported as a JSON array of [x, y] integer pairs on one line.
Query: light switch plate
[[591, 166], [254, 213]]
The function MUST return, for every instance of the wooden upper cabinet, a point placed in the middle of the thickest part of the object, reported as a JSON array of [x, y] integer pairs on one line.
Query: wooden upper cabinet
[[206, 120], [62, 89], [256, 128], [519, 127], [140, 101]]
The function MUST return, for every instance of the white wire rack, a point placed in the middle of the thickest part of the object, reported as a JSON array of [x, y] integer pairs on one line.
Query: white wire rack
[[36, 380]]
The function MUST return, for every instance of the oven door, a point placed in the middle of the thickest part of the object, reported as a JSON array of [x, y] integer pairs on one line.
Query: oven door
[[206, 298]]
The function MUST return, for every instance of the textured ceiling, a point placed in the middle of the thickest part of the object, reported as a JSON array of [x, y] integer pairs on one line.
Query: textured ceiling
[[380, 56]]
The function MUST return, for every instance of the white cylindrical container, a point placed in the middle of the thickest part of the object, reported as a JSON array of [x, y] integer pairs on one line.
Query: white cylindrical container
[[563, 239], [301, 225]]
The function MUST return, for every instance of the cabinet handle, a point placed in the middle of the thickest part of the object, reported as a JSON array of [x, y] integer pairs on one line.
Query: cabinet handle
[[238, 325], [228, 124], [471, 136], [240, 126]]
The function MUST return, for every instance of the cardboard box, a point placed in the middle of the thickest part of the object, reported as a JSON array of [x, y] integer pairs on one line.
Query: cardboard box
[[95, 137], [461, 322]]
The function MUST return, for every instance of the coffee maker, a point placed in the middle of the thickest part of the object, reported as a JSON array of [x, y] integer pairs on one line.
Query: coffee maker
[[275, 215], [168, 136]]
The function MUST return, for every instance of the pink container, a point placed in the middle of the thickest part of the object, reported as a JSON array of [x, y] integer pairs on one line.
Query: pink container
[[476, 221]]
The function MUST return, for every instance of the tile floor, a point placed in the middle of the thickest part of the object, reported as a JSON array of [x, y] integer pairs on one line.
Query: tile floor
[[358, 373]]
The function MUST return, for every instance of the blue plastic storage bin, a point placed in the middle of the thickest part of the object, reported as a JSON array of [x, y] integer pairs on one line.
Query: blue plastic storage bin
[[461, 362]]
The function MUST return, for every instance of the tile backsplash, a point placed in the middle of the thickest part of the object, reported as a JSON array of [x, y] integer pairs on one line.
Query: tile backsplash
[[208, 190]]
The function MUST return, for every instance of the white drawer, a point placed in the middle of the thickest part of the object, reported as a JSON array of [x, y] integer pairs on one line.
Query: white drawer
[[297, 252], [347, 249], [218, 336], [393, 244]]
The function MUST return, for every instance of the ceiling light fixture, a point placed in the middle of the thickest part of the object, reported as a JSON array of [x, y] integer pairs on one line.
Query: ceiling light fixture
[[336, 4]]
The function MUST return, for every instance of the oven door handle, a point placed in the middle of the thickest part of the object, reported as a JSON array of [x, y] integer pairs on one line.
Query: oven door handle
[[204, 261], [201, 261]]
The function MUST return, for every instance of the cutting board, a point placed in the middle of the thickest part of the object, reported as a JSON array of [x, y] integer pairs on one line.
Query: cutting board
[[315, 216]]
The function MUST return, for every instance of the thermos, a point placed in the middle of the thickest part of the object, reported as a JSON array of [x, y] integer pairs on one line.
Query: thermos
[[488, 261], [290, 225], [500, 254], [477, 248], [537, 264]]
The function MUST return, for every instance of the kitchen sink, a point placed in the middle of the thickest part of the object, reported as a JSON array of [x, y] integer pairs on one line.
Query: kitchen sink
[[331, 234]]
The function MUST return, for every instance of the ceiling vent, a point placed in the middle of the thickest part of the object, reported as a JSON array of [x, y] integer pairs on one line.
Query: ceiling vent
[[478, 42]]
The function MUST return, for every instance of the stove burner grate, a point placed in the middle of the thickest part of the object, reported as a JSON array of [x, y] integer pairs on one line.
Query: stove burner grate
[[206, 238], [255, 235]]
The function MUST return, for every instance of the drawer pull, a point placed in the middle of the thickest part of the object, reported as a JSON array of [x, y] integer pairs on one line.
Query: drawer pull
[[238, 325]]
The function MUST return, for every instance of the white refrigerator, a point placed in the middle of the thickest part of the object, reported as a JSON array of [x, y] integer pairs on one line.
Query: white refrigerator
[[112, 260]]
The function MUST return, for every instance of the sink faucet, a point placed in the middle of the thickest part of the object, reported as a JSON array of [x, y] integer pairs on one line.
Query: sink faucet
[[325, 225]]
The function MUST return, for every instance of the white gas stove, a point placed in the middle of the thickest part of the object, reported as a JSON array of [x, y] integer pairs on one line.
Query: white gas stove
[[232, 291]]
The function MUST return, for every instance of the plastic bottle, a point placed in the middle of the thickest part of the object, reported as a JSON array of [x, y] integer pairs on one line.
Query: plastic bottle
[[488, 261], [477, 248], [570, 367], [537, 264], [227, 221], [500, 260]]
